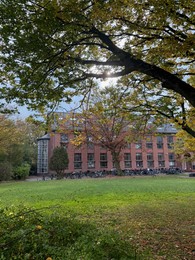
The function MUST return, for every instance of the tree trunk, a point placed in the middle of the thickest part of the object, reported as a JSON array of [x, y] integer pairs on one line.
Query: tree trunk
[[116, 160]]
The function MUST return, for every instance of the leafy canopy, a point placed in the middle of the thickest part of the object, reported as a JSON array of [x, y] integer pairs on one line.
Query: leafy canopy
[[51, 48], [11, 134]]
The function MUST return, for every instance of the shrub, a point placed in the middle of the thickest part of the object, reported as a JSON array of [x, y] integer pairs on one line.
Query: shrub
[[5, 171], [21, 172], [29, 234], [59, 161]]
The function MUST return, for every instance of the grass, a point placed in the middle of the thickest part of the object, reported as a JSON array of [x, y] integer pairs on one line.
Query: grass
[[154, 216]]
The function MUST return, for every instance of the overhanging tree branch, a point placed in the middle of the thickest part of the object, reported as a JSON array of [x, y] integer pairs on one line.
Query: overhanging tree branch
[[169, 81]]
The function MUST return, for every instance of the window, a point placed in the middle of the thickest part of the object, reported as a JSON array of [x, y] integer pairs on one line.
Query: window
[[161, 160], [138, 157], [103, 160], [90, 160], [127, 157], [169, 139], [149, 145], [150, 164], [170, 142], [172, 164], [159, 140], [160, 145], [171, 156], [139, 162], [63, 138], [171, 159], [138, 145], [42, 163], [160, 157], [150, 160], [127, 160], [161, 163], [77, 161], [170, 146], [150, 157]]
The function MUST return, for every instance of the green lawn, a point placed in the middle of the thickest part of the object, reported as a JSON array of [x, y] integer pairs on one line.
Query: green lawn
[[155, 215]]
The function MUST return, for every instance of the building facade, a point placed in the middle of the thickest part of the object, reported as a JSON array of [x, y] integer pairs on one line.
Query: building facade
[[152, 152]]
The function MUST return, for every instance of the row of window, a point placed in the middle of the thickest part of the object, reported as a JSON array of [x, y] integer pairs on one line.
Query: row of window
[[127, 160], [90, 146], [127, 157], [138, 145], [159, 138]]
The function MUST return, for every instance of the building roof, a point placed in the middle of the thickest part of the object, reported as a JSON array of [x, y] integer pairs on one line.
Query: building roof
[[167, 129], [44, 137]]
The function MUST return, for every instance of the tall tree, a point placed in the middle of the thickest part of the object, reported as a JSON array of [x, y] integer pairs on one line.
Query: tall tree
[[10, 134], [18, 141], [59, 47], [102, 122]]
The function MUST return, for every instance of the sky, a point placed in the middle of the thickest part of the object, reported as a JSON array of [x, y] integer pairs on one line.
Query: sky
[[24, 112]]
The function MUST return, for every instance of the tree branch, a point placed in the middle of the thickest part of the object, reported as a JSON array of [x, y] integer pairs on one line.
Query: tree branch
[[169, 81]]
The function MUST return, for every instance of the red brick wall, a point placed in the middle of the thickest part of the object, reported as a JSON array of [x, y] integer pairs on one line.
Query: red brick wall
[[84, 150]]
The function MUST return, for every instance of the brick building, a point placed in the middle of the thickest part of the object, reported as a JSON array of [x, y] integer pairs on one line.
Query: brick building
[[154, 152]]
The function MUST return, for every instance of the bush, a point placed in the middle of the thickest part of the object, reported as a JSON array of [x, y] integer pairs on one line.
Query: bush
[[21, 172], [5, 171], [28, 234]]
